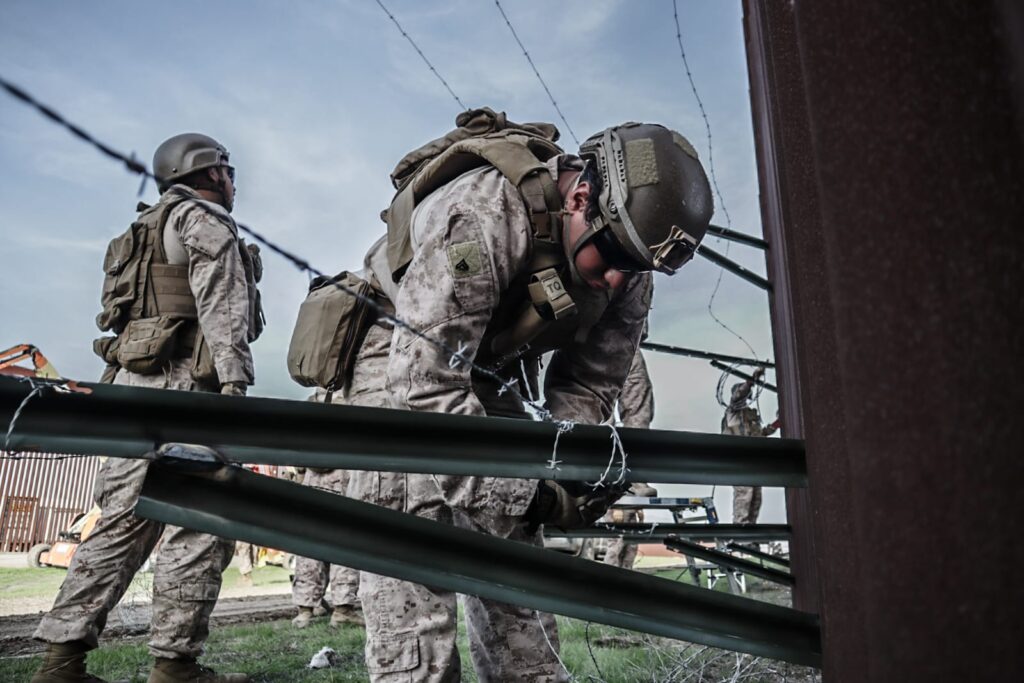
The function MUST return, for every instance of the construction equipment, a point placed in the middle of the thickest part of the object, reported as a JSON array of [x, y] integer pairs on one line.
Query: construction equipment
[[61, 552], [41, 366]]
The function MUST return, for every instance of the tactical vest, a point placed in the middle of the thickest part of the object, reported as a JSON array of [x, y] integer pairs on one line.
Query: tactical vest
[[538, 306], [148, 303]]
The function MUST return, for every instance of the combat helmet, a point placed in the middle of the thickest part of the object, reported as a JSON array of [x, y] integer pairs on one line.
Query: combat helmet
[[655, 203], [187, 153]]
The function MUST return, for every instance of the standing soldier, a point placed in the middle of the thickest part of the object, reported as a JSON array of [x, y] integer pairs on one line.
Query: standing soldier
[[636, 409], [180, 295], [504, 247], [741, 419], [312, 576]]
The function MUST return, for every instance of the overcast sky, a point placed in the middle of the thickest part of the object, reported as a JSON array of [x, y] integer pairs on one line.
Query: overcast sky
[[316, 102]]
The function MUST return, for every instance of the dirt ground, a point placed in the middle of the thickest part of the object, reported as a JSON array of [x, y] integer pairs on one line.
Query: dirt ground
[[127, 621]]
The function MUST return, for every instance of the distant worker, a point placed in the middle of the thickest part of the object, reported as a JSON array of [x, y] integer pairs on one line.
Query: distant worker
[[313, 576], [636, 409], [741, 419], [246, 553], [180, 296], [506, 247]]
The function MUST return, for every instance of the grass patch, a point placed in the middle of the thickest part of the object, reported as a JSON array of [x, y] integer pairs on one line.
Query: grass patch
[[30, 582], [276, 652]]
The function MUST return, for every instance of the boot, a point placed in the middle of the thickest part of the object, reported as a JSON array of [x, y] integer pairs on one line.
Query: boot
[[347, 614], [303, 618], [65, 663], [321, 609], [187, 670]]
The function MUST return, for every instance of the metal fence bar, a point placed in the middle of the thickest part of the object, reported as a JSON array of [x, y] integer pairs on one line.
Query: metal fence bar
[[742, 375], [730, 561], [656, 533], [707, 355], [734, 268], [754, 552], [129, 421], [737, 236], [234, 503]]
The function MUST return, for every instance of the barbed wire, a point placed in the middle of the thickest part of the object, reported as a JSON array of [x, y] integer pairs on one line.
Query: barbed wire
[[714, 178], [422, 56], [456, 357], [37, 389], [536, 72]]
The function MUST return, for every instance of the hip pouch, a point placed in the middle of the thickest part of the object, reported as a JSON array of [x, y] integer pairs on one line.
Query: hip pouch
[[329, 332], [148, 344]]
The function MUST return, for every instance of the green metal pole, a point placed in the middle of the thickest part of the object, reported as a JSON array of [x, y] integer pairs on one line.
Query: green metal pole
[[234, 503], [130, 421]]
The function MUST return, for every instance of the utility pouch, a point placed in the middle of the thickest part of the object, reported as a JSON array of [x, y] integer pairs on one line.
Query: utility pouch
[[106, 348], [120, 279], [204, 372], [148, 344], [329, 332]]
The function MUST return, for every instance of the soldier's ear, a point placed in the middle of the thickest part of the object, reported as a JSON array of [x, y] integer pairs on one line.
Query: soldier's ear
[[579, 197]]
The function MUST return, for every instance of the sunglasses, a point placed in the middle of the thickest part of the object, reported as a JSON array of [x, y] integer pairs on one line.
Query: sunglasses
[[230, 170], [613, 254]]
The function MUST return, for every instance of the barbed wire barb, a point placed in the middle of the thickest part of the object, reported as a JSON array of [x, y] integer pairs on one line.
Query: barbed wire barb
[[537, 73], [422, 56]]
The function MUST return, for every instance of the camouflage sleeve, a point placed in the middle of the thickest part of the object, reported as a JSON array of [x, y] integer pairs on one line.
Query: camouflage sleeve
[[583, 380], [472, 242], [217, 278], [636, 402]]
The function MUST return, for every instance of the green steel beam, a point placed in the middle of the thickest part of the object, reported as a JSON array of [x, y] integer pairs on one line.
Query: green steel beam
[[656, 533], [130, 421], [733, 267], [730, 561], [737, 236], [235, 503], [706, 355], [742, 375]]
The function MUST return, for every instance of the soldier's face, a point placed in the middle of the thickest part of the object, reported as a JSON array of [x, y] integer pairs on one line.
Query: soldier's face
[[590, 265]]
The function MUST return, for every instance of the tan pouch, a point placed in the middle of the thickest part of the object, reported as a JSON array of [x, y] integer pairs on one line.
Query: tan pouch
[[329, 331], [106, 348], [148, 344], [204, 372]]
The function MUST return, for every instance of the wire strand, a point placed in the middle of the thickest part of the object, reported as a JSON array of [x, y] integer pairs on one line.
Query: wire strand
[[422, 56], [714, 178], [536, 72]]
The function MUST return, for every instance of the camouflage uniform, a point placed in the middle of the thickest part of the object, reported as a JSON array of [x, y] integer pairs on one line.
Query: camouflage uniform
[[480, 217], [636, 409], [246, 558], [187, 572], [742, 420], [311, 576]]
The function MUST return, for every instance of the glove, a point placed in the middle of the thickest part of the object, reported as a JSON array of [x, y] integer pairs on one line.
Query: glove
[[232, 389], [570, 504]]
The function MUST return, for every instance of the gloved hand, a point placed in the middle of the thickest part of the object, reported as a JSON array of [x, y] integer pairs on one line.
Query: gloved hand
[[233, 389], [570, 504]]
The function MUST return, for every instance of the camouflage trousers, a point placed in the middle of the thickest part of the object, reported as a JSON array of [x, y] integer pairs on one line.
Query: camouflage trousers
[[622, 553], [411, 629], [746, 504], [186, 574], [246, 557], [312, 576]]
